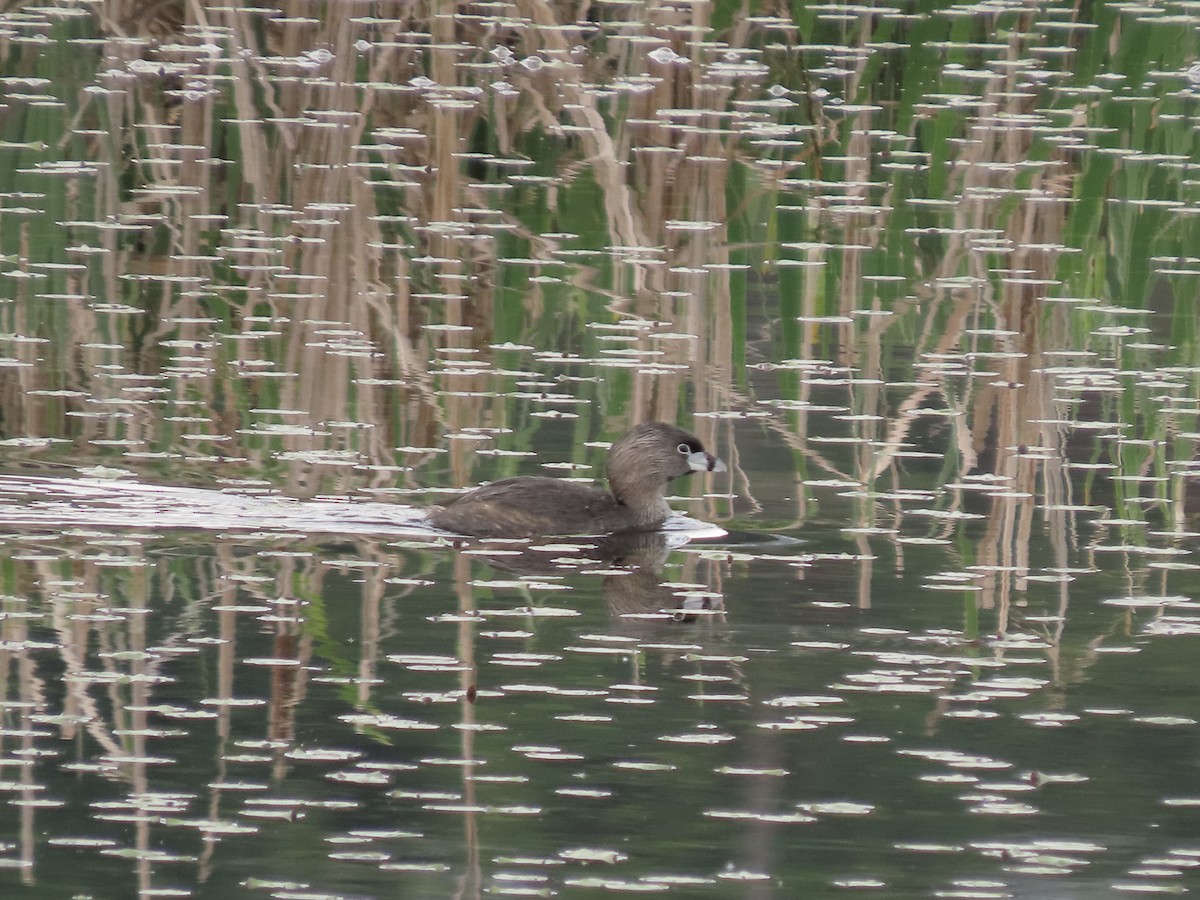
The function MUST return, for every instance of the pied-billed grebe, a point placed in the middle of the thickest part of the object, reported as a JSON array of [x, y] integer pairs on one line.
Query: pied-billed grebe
[[640, 464]]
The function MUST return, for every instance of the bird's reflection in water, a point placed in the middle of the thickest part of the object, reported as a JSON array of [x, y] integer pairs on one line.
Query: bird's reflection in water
[[635, 588]]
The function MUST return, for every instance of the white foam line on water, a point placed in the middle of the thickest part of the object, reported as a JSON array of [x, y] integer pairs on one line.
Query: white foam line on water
[[36, 501], [92, 502]]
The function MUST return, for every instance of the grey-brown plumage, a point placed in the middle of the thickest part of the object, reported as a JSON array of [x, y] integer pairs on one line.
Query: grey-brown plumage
[[640, 465]]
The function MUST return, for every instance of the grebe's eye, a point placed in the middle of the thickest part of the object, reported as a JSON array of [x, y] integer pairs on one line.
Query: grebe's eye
[[684, 449]]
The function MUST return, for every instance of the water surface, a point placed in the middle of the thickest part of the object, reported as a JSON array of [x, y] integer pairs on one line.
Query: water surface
[[276, 278]]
